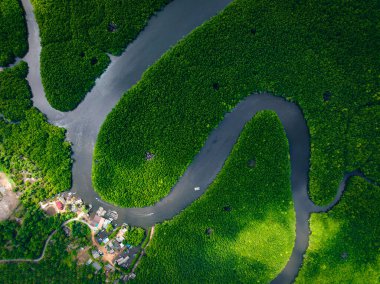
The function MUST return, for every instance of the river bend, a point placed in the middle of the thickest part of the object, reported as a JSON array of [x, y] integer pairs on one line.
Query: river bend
[[82, 124]]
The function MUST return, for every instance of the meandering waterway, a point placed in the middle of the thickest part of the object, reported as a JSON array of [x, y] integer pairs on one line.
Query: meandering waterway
[[164, 30]]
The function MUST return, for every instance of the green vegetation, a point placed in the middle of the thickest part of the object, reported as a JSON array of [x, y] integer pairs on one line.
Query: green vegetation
[[114, 233], [323, 55], [13, 35], [14, 93], [345, 242], [26, 240], [81, 232], [134, 236], [146, 240], [37, 158], [58, 266], [76, 37], [32, 137], [243, 228], [109, 228]]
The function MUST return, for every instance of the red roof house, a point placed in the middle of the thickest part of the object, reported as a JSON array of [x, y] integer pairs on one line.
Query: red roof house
[[59, 205]]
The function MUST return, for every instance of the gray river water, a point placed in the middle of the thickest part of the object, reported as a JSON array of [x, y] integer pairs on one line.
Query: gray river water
[[82, 124]]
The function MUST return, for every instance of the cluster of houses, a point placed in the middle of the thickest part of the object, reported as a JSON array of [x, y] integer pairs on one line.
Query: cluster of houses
[[114, 244], [98, 220], [110, 250], [64, 202]]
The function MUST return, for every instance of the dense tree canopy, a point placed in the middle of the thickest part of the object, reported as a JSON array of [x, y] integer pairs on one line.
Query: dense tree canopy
[[323, 55], [58, 266], [13, 34], [242, 229], [37, 158], [345, 242], [76, 37]]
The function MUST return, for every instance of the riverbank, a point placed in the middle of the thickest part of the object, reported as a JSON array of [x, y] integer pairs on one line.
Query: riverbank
[[242, 229], [83, 124]]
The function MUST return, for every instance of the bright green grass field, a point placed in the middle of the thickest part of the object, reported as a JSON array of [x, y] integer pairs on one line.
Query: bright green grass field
[[345, 242], [13, 34], [250, 243], [323, 55], [76, 37]]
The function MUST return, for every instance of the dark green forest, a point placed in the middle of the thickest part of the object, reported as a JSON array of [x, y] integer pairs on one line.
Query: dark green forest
[[13, 34], [58, 266], [322, 55], [345, 242], [76, 37], [242, 228], [37, 158]]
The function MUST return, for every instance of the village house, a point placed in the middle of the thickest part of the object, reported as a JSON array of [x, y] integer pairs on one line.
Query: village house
[[95, 254], [102, 235], [121, 260], [109, 268], [59, 205], [97, 266], [96, 221]]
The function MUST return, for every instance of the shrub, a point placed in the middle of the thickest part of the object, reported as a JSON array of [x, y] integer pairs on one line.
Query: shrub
[[135, 236]]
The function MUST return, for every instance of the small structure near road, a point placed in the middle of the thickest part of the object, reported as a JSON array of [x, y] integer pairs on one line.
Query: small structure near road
[[121, 260], [59, 205], [97, 266], [96, 221], [149, 156], [63, 202], [95, 254], [209, 231]]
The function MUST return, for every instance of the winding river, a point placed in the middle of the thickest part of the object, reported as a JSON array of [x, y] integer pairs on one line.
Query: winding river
[[164, 30]]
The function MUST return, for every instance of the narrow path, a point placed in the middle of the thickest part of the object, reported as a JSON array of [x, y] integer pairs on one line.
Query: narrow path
[[45, 246]]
